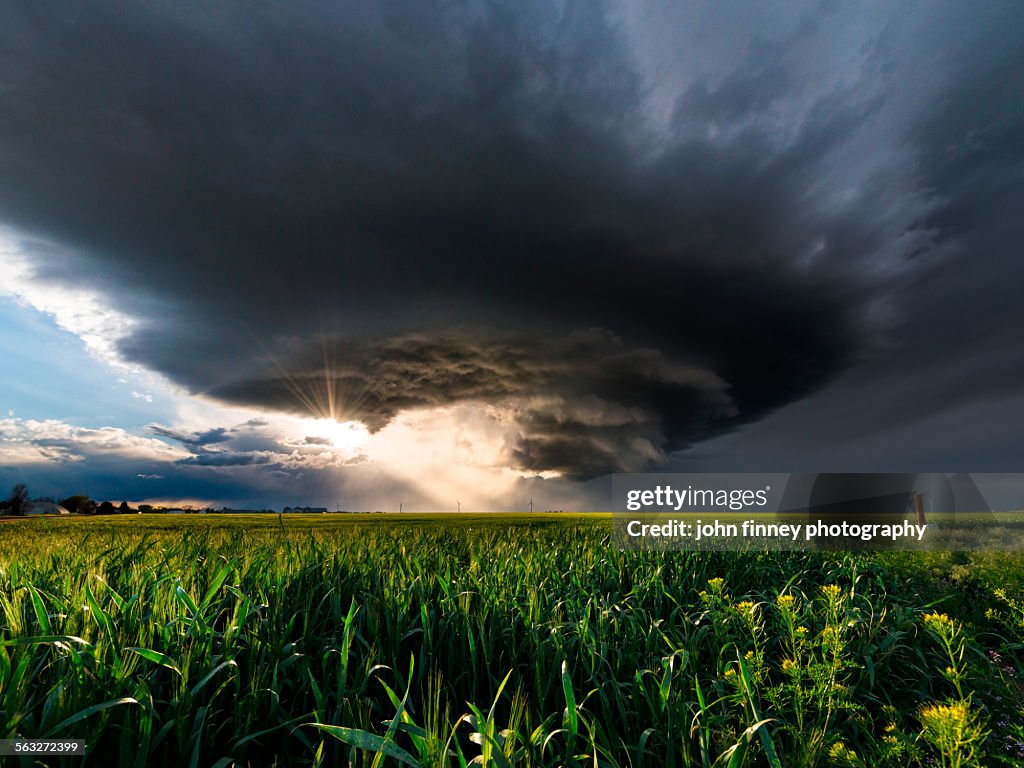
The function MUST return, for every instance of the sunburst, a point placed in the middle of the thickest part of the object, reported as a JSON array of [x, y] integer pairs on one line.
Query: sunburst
[[343, 436]]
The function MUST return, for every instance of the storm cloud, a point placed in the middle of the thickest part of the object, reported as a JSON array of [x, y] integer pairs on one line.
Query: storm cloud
[[356, 209]]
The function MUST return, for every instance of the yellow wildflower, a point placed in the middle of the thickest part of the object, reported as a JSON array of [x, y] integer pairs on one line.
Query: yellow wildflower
[[939, 623], [952, 728], [840, 754], [831, 592], [746, 607]]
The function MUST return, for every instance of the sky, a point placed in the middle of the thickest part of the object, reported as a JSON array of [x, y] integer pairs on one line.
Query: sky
[[439, 255]]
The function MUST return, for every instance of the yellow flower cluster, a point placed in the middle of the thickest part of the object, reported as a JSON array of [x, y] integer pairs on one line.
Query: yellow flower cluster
[[746, 607], [939, 623], [938, 716], [953, 728], [840, 754]]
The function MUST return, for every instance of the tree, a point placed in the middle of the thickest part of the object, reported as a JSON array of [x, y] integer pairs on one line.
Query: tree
[[19, 502], [124, 509], [144, 508], [79, 504], [106, 508]]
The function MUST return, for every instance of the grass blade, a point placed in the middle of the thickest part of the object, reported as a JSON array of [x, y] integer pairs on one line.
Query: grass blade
[[88, 712], [42, 618], [157, 658], [367, 741]]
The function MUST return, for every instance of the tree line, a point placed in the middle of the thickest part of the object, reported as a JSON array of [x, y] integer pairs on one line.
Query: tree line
[[19, 502]]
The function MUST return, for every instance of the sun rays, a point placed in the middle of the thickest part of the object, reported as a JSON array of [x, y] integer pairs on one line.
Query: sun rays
[[344, 436]]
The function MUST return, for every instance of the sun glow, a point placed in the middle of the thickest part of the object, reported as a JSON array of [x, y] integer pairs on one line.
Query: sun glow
[[341, 436]]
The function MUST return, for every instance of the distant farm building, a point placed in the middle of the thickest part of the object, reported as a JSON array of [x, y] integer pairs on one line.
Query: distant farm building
[[46, 508]]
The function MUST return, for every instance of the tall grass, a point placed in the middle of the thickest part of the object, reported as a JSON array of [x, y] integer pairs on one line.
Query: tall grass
[[431, 644]]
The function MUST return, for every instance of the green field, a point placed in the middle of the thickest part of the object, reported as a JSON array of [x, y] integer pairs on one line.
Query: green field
[[497, 640]]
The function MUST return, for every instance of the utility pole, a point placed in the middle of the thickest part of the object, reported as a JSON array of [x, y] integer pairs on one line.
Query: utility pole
[[531, 504]]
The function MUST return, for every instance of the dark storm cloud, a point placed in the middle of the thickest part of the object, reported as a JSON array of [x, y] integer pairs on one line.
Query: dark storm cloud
[[967, 317], [565, 394], [226, 459], [445, 199], [944, 393], [193, 440]]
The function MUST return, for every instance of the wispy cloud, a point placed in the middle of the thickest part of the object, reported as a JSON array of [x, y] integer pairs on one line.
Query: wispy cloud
[[24, 441]]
